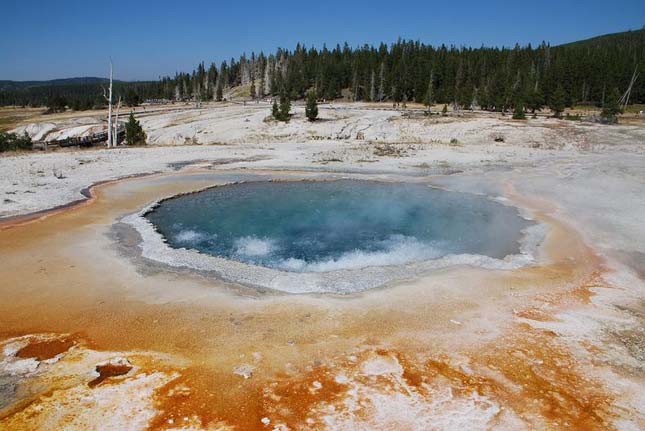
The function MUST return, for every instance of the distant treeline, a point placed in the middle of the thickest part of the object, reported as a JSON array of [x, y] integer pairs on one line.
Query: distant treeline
[[584, 72], [75, 93]]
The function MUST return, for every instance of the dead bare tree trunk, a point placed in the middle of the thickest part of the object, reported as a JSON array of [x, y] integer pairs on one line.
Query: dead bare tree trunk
[[116, 123], [624, 100], [109, 100]]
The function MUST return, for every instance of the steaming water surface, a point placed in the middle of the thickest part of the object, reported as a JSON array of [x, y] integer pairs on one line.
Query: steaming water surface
[[330, 225]]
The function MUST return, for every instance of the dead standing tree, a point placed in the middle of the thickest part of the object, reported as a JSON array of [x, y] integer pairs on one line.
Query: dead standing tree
[[624, 100], [116, 124], [109, 100]]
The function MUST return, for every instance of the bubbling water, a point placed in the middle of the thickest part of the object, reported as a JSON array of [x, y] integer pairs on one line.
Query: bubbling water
[[321, 226]]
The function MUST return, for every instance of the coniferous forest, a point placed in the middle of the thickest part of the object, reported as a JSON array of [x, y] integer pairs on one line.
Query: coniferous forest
[[584, 72]]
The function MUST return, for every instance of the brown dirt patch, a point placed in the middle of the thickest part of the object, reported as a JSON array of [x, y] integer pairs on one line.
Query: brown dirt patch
[[45, 349]]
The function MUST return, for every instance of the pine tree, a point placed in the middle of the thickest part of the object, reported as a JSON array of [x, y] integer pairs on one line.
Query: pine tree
[[219, 91], [285, 107], [466, 96], [56, 104], [429, 99], [483, 98], [209, 94], [275, 111], [536, 100], [253, 89], [518, 113], [612, 108], [131, 98], [134, 133], [381, 83], [311, 109], [558, 102]]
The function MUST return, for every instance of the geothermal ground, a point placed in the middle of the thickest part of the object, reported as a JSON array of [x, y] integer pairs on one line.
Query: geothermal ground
[[96, 333]]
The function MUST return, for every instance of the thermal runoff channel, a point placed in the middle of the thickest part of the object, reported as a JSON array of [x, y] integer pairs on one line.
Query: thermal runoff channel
[[307, 226]]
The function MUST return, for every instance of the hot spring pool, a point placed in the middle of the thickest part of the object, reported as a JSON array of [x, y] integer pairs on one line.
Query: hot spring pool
[[324, 226]]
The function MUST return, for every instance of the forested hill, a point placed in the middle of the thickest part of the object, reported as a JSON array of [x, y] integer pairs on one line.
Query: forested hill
[[492, 78], [616, 40], [14, 85], [409, 70]]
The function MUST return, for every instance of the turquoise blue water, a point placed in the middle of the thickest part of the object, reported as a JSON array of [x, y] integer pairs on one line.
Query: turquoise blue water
[[330, 225]]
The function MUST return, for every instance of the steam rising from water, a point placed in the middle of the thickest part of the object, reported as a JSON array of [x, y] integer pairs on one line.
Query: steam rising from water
[[250, 246], [189, 237], [330, 226], [396, 250]]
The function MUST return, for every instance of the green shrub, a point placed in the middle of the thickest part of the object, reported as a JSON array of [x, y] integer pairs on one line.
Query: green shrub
[[518, 113], [311, 110], [13, 142], [134, 134], [281, 112], [275, 111], [611, 109]]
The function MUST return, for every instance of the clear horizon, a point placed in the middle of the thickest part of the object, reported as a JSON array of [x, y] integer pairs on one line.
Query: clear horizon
[[152, 39]]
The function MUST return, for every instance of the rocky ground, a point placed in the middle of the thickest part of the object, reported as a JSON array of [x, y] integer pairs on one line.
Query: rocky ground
[[347, 137]]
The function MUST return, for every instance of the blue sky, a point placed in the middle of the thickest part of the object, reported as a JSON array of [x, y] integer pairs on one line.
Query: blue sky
[[146, 39]]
